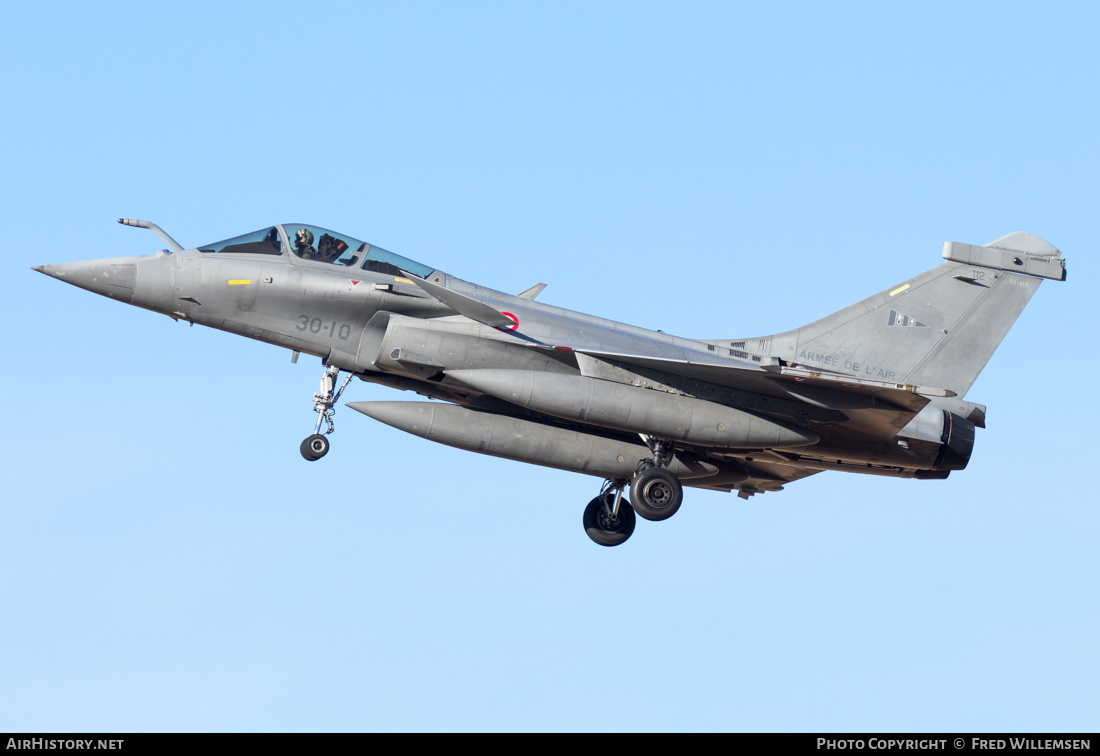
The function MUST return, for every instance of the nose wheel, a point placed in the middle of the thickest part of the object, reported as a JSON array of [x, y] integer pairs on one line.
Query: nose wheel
[[317, 445]]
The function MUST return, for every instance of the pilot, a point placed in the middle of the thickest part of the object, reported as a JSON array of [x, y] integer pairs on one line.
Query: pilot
[[303, 244]]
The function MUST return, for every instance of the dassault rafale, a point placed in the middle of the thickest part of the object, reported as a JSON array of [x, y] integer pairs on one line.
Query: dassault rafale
[[876, 388]]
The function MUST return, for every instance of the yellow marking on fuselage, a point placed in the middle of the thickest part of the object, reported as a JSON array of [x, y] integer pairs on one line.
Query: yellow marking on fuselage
[[899, 290], [402, 280], [239, 281]]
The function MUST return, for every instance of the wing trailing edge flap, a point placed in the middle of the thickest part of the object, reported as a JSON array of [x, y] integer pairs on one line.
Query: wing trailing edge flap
[[825, 390], [762, 478]]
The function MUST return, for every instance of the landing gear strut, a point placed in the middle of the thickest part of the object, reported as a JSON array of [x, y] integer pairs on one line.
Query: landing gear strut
[[317, 445], [655, 492], [608, 519]]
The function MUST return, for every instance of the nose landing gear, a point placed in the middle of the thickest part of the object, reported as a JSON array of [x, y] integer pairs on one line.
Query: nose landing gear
[[314, 447], [317, 445]]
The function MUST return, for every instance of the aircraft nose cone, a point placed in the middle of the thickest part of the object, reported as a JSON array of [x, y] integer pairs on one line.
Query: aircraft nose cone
[[111, 278]]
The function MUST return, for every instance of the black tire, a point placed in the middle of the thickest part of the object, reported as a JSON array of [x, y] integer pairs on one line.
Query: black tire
[[314, 447], [656, 494], [605, 529], [306, 453]]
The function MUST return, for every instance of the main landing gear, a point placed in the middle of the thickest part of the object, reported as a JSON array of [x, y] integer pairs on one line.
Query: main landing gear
[[608, 519], [317, 445], [655, 494]]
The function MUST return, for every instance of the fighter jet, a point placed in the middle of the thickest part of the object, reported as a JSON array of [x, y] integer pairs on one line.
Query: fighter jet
[[876, 388]]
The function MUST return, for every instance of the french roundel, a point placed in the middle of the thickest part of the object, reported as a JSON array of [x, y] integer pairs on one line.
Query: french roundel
[[513, 318]]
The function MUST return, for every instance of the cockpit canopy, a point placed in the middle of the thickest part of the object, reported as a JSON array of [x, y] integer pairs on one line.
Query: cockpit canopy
[[265, 242], [319, 245]]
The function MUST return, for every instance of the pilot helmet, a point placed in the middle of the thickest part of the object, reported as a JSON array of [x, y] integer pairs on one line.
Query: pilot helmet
[[303, 237]]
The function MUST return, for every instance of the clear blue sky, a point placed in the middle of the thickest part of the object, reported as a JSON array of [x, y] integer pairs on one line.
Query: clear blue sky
[[169, 562]]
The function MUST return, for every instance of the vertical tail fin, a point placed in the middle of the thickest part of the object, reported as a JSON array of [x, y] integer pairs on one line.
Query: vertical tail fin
[[937, 329]]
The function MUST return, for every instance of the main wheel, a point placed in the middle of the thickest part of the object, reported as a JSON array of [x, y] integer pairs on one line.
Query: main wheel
[[314, 447], [603, 527], [656, 494]]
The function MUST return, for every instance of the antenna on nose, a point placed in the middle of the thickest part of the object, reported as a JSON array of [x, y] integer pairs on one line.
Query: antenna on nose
[[175, 245]]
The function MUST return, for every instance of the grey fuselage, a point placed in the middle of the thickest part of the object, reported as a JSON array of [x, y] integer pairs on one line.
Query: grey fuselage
[[429, 332]]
